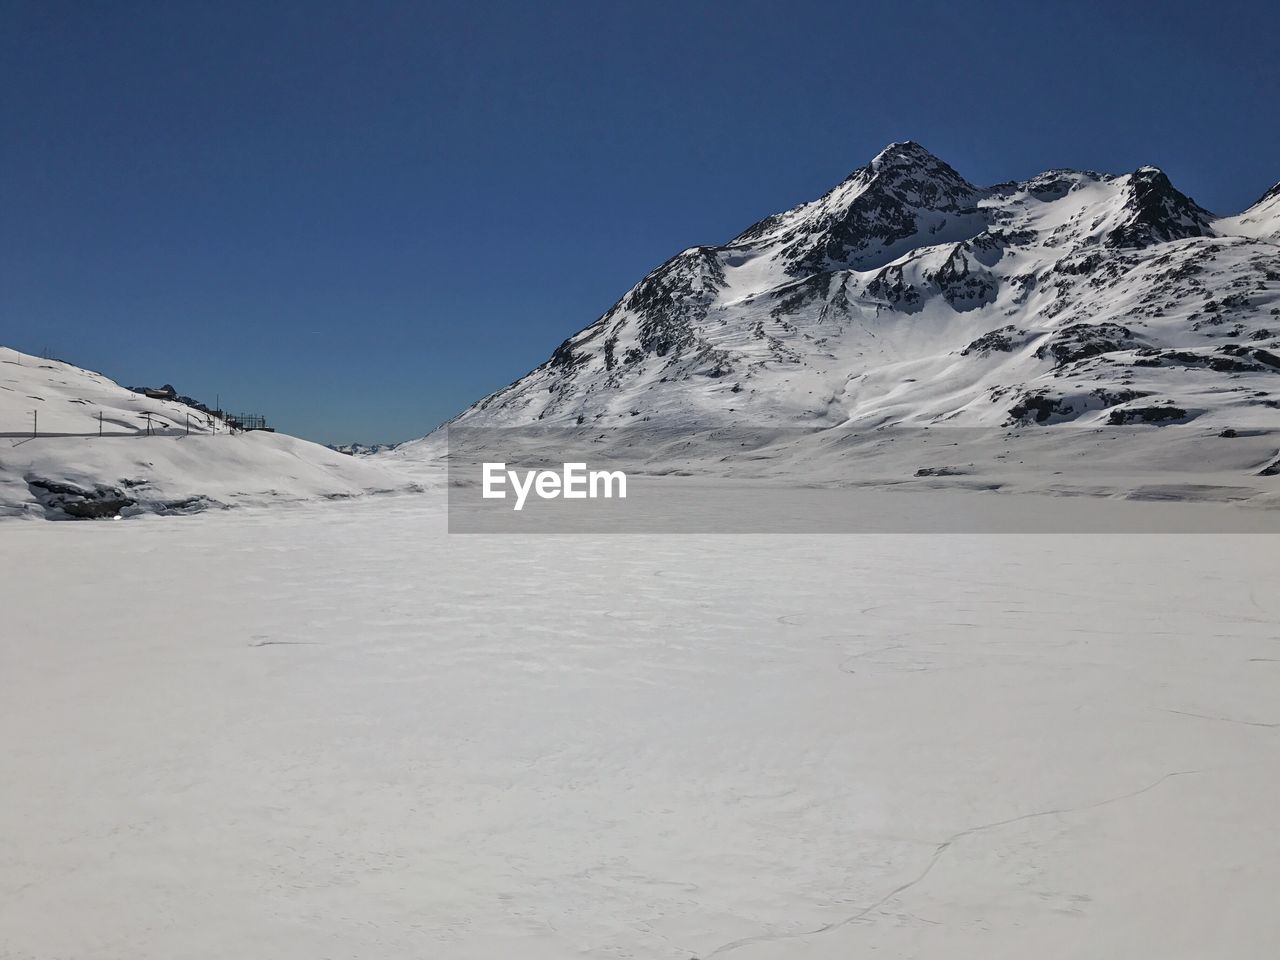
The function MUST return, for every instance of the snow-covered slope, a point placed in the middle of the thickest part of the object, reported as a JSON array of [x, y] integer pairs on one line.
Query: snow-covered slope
[[68, 470], [1262, 220], [908, 297]]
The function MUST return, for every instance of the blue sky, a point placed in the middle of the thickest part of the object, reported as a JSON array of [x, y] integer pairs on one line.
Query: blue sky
[[360, 217]]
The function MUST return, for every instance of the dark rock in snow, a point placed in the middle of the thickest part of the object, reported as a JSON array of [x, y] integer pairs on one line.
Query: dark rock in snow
[[1146, 415], [99, 502], [1079, 341]]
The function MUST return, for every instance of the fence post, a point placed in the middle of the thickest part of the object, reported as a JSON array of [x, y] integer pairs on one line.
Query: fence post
[[35, 424], [99, 423]]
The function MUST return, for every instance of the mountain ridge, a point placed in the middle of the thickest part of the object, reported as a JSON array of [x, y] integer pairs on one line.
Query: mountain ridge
[[906, 296]]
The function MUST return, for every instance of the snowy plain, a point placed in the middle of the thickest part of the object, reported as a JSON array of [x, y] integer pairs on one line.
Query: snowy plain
[[334, 730]]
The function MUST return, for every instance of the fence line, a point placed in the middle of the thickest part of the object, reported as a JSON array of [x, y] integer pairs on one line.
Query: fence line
[[201, 423], [142, 432]]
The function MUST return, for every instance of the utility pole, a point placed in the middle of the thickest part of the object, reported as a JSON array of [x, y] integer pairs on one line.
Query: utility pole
[[35, 424], [99, 423], [188, 433]]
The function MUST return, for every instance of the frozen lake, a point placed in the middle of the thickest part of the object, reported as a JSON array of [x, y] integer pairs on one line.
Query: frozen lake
[[334, 731]]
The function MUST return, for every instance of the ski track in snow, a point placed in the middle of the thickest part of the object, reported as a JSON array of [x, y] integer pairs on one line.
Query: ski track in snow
[[941, 848], [643, 747]]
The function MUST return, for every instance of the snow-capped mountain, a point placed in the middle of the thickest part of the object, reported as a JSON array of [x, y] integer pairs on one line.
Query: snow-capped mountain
[[74, 444], [907, 296], [360, 449]]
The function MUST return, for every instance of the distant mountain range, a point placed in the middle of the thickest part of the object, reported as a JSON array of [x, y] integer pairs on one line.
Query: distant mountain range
[[360, 449], [907, 296]]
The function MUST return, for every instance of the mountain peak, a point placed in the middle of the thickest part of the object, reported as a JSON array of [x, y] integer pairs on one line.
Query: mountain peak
[[1155, 211], [903, 151], [872, 215], [907, 163]]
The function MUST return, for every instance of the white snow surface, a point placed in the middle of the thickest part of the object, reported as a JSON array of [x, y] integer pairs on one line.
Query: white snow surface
[[168, 471], [330, 730], [1262, 220]]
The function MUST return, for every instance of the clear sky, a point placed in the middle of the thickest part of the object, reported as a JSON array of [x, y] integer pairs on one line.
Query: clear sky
[[360, 217]]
